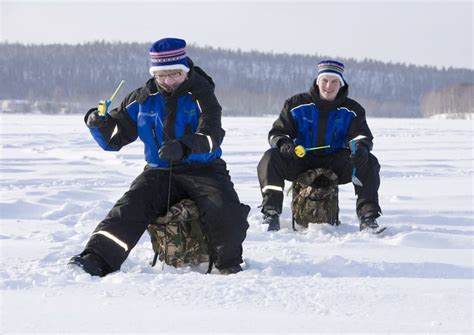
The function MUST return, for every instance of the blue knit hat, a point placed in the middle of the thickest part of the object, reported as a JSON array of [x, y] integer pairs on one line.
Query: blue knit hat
[[168, 54], [331, 68]]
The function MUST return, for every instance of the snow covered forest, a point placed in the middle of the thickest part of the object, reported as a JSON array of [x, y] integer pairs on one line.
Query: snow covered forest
[[71, 78]]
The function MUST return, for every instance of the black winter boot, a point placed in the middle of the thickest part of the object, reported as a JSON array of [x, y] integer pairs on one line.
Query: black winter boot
[[368, 223], [230, 269], [90, 263], [273, 220]]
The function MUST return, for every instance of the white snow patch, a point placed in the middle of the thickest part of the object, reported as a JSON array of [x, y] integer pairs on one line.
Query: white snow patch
[[57, 185]]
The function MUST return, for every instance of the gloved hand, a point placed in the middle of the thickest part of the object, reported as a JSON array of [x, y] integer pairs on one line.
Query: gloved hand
[[361, 155], [172, 151], [287, 149], [94, 120]]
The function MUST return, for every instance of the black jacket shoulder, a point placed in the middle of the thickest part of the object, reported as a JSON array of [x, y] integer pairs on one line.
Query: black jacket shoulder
[[297, 100], [354, 106]]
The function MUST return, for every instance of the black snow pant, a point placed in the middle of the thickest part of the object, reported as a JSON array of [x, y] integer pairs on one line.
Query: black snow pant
[[209, 185], [273, 170]]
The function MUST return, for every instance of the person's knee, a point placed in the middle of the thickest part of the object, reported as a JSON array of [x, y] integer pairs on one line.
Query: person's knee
[[268, 157], [374, 163], [229, 223]]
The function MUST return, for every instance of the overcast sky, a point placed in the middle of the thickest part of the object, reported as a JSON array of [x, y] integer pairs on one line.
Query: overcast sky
[[412, 32]]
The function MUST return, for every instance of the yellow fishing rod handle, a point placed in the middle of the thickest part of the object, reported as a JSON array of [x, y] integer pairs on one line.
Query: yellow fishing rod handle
[[300, 151], [103, 107]]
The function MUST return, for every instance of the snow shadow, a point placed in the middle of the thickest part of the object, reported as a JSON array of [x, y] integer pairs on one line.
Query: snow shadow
[[340, 267], [447, 219]]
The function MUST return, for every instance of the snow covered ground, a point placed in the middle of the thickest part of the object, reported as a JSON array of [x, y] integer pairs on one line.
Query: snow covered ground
[[57, 184]]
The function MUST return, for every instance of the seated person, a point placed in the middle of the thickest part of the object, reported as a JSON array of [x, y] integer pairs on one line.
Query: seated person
[[178, 118], [322, 117]]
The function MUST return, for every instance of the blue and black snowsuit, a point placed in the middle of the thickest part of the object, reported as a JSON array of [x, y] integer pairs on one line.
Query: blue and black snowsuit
[[192, 115], [310, 121]]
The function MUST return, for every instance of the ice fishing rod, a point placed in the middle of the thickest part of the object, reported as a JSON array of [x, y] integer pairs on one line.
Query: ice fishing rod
[[300, 151], [168, 204], [166, 137], [165, 134], [352, 145], [103, 107]]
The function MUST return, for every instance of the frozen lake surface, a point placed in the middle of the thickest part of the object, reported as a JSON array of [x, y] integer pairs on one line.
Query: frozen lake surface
[[57, 184]]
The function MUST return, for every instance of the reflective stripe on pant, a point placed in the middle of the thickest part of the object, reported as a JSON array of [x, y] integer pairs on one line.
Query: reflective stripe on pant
[[223, 216], [146, 199], [273, 170]]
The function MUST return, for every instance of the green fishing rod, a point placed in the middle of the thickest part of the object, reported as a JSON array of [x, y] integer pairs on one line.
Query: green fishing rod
[[103, 107], [300, 151]]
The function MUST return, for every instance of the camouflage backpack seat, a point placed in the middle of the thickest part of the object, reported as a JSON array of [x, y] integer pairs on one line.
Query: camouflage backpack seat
[[178, 238], [315, 198]]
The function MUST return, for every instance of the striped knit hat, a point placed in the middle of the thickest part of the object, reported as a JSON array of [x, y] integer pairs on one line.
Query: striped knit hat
[[168, 54], [331, 68]]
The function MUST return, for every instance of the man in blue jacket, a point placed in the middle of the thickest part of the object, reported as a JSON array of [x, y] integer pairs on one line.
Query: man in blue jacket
[[178, 118], [324, 116]]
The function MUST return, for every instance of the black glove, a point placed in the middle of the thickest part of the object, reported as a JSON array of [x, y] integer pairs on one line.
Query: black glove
[[94, 120], [361, 155], [172, 151], [287, 149]]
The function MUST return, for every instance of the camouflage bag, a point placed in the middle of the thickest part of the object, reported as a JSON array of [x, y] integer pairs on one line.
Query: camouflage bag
[[315, 198], [178, 238]]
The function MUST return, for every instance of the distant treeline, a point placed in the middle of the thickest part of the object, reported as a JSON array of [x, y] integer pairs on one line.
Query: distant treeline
[[453, 101], [74, 77]]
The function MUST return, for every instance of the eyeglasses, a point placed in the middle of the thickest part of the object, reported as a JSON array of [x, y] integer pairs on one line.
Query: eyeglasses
[[172, 75]]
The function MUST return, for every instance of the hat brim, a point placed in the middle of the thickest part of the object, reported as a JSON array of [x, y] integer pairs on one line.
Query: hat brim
[[182, 67], [338, 76]]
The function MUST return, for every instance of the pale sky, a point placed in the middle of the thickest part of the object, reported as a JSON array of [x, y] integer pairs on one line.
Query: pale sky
[[438, 33]]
